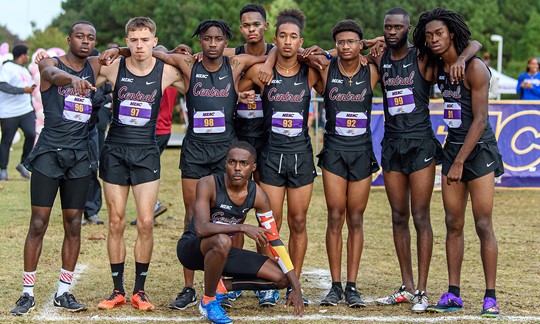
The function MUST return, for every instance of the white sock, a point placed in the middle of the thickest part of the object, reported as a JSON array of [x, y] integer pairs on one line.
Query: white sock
[[66, 277], [29, 279]]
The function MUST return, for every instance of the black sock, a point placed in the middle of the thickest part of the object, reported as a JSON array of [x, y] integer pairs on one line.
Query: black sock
[[338, 285], [490, 293], [117, 271], [140, 276], [350, 285], [454, 290]]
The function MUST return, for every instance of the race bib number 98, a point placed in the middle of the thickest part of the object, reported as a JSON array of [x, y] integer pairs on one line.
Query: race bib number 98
[[209, 122]]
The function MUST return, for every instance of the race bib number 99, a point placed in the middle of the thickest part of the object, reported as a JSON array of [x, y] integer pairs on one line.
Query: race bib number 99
[[400, 101], [134, 113], [77, 109]]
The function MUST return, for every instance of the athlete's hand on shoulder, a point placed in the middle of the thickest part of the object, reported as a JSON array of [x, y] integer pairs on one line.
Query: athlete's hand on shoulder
[[247, 97], [266, 74], [295, 298], [455, 173], [108, 56], [313, 50], [457, 71], [80, 86], [318, 61], [41, 56], [377, 49], [198, 57], [257, 234], [182, 49]]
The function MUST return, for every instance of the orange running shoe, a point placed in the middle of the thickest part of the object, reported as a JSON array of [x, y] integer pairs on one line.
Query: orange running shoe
[[140, 301], [116, 299]]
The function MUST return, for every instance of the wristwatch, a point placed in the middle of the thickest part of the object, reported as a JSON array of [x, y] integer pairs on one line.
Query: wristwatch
[[328, 56]]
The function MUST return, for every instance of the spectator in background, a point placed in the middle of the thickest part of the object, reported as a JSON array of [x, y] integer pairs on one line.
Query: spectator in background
[[163, 128], [16, 109], [528, 87]]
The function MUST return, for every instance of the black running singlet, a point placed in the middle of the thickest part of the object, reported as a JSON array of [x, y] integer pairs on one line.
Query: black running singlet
[[211, 101], [249, 118], [348, 109], [286, 111], [136, 101], [225, 211], [458, 114], [67, 114], [405, 98]]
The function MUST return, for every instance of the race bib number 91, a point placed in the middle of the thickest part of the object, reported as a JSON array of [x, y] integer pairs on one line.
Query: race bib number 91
[[452, 114]]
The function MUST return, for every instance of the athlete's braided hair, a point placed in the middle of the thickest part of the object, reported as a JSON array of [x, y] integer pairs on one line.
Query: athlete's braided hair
[[253, 7], [207, 23], [291, 16], [345, 26], [245, 146], [454, 22]]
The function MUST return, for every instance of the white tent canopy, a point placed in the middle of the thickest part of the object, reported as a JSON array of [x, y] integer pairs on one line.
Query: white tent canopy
[[506, 84]]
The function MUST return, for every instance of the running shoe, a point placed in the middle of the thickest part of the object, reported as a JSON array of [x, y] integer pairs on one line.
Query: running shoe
[[420, 302], [270, 298], [116, 299], [234, 295], [141, 302], [68, 302], [402, 295], [490, 308], [448, 303], [304, 299], [223, 300], [25, 304], [353, 299], [186, 298], [333, 297], [22, 170], [214, 312]]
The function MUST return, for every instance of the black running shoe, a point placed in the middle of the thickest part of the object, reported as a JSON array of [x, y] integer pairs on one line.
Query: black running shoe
[[353, 299], [24, 305], [333, 297], [68, 302], [186, 298]]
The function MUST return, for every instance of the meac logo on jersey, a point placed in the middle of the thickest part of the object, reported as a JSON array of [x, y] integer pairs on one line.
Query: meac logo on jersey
[[340, 81], [201, 76], [387, 66], [225, 206], [276, 81], [130, 80]]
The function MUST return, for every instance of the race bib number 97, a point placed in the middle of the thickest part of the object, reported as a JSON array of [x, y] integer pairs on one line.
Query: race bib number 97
[[134, 113]]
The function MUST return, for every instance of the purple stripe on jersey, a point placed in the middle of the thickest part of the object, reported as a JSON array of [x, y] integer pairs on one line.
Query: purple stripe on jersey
[[134, 112], [351, 123], [452, 114], [77, 107], [254, 106], [397, 101], [286, 122], [209, 122]]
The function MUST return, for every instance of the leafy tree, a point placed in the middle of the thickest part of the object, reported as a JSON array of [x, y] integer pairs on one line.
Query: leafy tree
[[47, 38]]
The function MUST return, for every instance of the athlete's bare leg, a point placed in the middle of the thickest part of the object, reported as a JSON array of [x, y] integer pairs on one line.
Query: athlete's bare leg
[[297, 205], [189, 187], [145, 199], [116, 199]]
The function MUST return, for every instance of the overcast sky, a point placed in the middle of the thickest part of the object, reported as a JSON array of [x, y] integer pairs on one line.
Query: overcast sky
[[16, 15]]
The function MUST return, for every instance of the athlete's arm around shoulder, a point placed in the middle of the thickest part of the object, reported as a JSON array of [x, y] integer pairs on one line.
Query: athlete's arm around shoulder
[[204, 195], [314, 76], [173, 77], [108, 73], [183, 62], [242, 62], [250, 80], [52, 75], [320, 85]]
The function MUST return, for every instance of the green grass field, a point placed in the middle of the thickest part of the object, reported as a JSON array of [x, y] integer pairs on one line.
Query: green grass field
[[516, 226]]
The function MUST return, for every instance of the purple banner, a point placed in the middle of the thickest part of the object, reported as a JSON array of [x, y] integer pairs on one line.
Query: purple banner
[[517, 128]]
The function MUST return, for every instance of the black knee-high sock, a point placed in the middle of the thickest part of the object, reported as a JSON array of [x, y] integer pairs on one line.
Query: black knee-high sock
[[141, 270], [117, 271]]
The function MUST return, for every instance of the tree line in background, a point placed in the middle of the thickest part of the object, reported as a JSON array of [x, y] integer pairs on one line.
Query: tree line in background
[[517, 22]]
